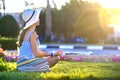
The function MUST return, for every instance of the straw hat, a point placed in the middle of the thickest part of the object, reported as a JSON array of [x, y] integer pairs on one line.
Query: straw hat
[[30, 17]]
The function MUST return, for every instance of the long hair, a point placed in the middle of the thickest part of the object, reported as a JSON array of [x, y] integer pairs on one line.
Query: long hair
[[21, 37]]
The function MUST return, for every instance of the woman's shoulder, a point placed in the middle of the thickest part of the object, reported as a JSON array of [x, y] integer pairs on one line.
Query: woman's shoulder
[[34, 34], [28, 34]]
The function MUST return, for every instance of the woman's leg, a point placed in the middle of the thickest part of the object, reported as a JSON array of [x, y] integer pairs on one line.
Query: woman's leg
[[53, 61]]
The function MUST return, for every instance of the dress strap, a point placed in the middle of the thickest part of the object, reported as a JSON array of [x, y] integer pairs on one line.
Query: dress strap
[[29, 34]]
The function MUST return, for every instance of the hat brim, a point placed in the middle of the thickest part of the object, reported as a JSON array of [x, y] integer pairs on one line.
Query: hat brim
[[34, 19]]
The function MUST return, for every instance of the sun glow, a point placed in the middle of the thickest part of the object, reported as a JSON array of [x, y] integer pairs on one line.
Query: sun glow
[[109, 3], [113, 8]]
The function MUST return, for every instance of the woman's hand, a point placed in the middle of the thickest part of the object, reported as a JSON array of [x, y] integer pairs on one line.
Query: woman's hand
[[58, 53]]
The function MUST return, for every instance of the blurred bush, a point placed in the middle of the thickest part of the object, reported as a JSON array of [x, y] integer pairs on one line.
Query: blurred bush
[[8, 43], [7, 66], [8, 26]]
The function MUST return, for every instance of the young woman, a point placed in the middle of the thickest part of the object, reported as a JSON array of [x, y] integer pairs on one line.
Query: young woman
[[30, 57]]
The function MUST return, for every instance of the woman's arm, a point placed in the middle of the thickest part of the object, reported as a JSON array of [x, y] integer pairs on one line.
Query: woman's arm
[[37, 53]]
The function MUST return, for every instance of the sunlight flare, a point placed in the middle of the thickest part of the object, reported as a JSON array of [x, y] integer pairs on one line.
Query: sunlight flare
[[109, 3]]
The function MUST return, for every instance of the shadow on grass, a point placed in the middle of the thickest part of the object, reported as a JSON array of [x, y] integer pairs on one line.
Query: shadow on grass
[[113, 67], [95, 78]]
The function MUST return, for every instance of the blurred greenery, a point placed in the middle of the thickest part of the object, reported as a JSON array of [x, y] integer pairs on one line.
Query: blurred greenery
[[8, 26], [7, 66], [8, 43], [79, 18], [76, 18]]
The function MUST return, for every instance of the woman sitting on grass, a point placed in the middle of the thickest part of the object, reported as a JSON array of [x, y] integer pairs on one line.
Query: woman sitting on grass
[[30, 57]]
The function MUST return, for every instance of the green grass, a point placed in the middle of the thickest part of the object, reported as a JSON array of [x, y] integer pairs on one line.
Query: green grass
[[70, 71]]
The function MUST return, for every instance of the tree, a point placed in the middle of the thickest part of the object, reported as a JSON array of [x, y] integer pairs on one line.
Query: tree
[[69, 15], [85, 20]]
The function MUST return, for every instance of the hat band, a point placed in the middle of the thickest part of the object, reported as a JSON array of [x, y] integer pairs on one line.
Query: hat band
[[30, 17]]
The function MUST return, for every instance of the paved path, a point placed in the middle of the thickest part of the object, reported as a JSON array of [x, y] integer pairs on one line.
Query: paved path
[[83, 49]]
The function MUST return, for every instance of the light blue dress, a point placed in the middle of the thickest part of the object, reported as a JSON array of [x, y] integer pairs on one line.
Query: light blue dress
[[26, 59], [26, 49]]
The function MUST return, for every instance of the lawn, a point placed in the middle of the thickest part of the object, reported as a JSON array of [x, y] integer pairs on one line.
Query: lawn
[[68, 70]]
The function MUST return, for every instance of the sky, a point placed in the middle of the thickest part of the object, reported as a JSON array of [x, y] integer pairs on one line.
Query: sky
[[110, 3], [19, 6]]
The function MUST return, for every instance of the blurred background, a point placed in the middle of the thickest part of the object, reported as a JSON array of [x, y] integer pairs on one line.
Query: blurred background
[[63, 21]]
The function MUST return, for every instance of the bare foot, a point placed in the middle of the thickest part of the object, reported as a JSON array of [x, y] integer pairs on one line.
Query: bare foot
[[58, 53]]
